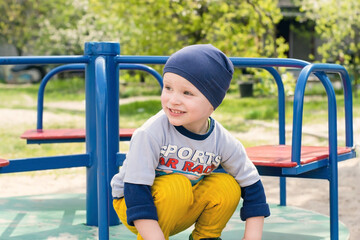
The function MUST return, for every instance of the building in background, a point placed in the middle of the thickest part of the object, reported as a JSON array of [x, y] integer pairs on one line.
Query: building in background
[[301, 37]]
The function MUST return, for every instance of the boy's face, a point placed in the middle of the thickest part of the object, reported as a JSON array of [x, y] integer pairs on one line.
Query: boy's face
[[184, 104]]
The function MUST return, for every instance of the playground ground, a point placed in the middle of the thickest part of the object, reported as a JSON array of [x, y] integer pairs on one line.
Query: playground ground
[[303, 193]]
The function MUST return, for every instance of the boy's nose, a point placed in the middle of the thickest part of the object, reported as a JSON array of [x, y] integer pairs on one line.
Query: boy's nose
[[174, 99]]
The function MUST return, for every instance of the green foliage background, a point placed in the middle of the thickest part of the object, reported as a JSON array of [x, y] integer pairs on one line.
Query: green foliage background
[[242, 28], [245, 28]]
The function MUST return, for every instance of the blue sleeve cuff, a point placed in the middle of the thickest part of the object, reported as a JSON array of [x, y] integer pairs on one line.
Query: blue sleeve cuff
[[254, 204], [141, 212], [139, 203], [254, 211]]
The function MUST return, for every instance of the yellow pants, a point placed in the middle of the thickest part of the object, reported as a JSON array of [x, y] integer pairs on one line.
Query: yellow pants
[[209, 204]]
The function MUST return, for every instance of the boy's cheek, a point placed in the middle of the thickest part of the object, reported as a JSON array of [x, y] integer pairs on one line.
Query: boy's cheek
[[163, 99]]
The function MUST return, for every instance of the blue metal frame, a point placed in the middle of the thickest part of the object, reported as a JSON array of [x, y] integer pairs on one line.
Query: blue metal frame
[[332, 168], [102, 158], [46, 163]]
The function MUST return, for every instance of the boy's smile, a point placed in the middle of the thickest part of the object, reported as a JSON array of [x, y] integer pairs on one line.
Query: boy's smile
[[173, 111], [184, 104]]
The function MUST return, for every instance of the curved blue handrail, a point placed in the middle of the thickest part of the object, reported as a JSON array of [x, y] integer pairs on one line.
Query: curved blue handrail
[[320, 70], [332, 174], [48, 76], [143, 68], [81, 67]]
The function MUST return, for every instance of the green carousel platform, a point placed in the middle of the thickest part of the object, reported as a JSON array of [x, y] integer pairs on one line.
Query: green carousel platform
[[62, 216]]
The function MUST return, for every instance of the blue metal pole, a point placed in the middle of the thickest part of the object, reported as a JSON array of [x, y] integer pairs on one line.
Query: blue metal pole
[[106, 50], [90, 128], [102, 144], [112, 122]]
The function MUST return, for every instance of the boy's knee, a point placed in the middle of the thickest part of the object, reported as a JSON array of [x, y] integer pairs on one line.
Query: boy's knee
[[173, 188], [223, 181], [222, 187]]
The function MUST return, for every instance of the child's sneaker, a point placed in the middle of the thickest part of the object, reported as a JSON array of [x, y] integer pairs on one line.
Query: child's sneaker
[[191, 238]]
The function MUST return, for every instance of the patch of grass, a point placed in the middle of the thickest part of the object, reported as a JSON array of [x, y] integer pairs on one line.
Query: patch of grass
[[132, 89], [56, 90], [72, 89], [12, 96], [266, 114], [245, 105], [232, 122], [249, 108], [134, 114], [136, 91]]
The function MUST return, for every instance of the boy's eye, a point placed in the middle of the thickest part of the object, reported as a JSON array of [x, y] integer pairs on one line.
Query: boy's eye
[[188, 93], [167, 87]]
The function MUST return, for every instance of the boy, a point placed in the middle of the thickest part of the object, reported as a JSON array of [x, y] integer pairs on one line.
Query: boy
[[166, 183]]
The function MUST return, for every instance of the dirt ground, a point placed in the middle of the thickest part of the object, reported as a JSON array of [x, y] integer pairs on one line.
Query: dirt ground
[[305, 193]]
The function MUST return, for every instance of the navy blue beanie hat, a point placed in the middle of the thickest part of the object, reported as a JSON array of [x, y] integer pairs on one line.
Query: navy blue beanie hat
[[206, 67]]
